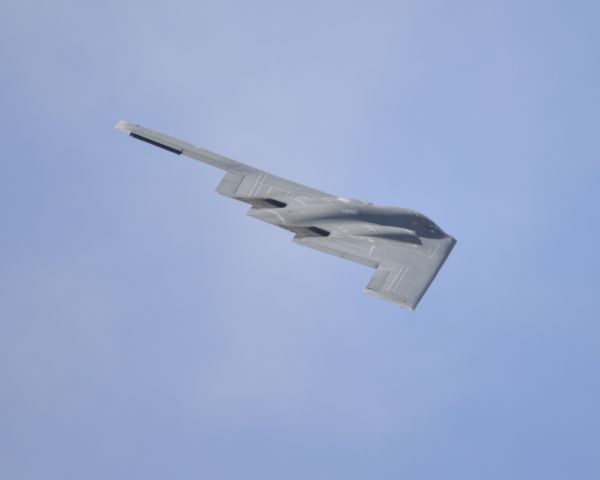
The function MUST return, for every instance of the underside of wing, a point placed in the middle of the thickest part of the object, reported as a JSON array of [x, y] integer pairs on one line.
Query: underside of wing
[[355, 249], [261, 189], [406, 272]]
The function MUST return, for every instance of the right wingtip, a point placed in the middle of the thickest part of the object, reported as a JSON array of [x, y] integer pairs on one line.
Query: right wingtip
[[392, 299]]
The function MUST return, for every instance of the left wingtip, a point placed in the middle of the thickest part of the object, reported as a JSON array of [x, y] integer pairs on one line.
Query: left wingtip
[[124, 126]]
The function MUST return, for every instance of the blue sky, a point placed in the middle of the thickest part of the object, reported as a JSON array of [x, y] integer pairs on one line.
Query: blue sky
[[150, 329]]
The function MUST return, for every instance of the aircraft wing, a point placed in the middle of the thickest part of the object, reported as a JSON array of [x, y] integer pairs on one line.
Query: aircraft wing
[[241, 181], [404, 271]]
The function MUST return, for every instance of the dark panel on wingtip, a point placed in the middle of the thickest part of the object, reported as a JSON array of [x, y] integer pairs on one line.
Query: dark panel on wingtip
[[156, 144]]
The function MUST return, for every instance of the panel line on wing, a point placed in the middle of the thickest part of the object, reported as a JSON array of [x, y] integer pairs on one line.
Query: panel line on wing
[[251, 192]]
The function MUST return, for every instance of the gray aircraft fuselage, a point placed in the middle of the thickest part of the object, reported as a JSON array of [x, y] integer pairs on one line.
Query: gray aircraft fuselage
[[353, 217]]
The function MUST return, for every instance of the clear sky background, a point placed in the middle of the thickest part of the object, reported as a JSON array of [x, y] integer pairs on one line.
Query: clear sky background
[[150, 329]]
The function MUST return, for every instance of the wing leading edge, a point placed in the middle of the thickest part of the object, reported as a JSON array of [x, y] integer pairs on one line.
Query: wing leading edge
[[241, 181]]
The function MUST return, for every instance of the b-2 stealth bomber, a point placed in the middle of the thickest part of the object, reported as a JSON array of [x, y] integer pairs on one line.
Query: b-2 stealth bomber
[[405, 247]]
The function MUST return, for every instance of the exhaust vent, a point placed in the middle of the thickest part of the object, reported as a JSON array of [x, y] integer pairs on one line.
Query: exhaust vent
[[275, 203], [319, 231]]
